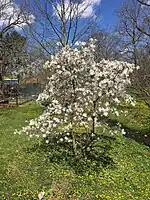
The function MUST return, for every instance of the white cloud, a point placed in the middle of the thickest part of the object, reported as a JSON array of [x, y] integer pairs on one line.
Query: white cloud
[[11, 12], [89, 7], [84, 9]]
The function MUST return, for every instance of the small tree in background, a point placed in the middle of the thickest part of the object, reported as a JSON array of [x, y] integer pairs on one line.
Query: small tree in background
[[14, 54], [12, 18], [77, 94]]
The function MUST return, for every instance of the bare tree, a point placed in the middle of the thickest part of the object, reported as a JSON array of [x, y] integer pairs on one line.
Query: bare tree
[[136, 45], [107, 44], [62, 21], [143, 24], [128, 14], [141, 79], [12, 16]]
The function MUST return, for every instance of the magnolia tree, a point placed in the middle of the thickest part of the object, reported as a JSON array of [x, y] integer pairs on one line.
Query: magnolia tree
[[79, 92]]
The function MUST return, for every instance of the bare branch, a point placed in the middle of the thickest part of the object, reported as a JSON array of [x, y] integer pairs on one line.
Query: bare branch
[[61, 20], [143, 3]]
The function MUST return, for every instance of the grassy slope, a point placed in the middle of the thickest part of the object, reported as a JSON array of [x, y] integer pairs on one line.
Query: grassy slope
[[25, 169], [137, 118]]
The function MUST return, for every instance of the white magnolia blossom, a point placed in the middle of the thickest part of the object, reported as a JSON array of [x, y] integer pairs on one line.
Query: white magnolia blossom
[[79, 91]]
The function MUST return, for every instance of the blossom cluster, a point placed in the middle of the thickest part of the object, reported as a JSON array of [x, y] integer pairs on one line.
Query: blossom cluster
[[79, 91]]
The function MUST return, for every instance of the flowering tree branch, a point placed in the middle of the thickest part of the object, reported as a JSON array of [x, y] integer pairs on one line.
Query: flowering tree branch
[[78, 91]]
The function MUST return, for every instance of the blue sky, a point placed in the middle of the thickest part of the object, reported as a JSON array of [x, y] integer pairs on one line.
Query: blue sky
[[107, 12], [105, 8], [108, 7]]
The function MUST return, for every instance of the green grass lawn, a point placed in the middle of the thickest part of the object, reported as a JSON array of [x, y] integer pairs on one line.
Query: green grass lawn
[[137, 118], [26, 169]]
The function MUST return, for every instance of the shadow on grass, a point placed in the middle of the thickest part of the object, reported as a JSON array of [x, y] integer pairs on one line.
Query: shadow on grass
[[95, 159], [139, 136]]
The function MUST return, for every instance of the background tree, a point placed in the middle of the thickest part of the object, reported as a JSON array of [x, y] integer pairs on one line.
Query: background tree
[[107, 45], [131, 37], [37, 58], [62, 21], [14, 53], [141, 79], [143, 24], [134, 14], [12, 17]]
